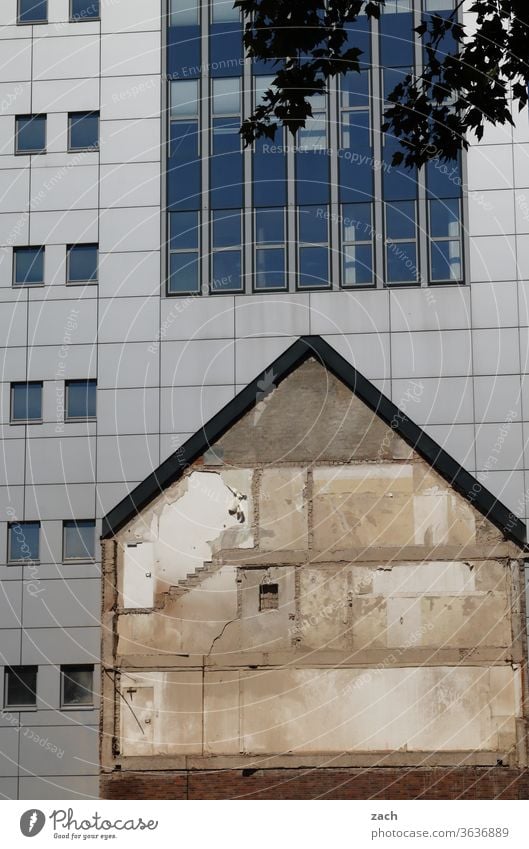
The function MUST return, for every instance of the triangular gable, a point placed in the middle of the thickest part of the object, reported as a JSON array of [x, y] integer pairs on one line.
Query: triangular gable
[[304, 348]]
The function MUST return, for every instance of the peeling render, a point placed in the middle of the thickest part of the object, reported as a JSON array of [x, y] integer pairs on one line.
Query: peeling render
[[391, 620]]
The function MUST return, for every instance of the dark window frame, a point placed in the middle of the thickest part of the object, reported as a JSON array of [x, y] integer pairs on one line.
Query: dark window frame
[[36, 151], [65, 705], [79, 19], [89, 558], [86, 148], [86, 282], [73, 419], [30, 23], [18, 249], [20, 561], [33, 669], [14, 384]]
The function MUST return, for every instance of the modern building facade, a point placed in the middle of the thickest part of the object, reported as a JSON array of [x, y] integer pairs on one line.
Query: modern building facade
[[151, 268]]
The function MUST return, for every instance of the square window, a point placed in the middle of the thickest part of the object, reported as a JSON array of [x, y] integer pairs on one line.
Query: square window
[[23, 542], [358, 265], [28, 266], [184, 99], [26, 402], [269, 226], [402, 262], [184, 231], [77, 686], [183, 13], [313, 224], [227, 96], [183, 273], [226, 271], [30, 134], [270, 269], [82, 263], [32, 11], [78, 540], [83, 131], [84, 10], [313, 267], [226, 228], [400, 220], [20, 686], [269, 597], [80, 400]]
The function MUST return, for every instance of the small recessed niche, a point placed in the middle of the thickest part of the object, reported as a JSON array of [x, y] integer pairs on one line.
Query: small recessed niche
[[268, 596]]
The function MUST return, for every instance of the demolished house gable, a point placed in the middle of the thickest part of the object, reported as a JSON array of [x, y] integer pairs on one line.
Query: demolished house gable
[[312, 574]]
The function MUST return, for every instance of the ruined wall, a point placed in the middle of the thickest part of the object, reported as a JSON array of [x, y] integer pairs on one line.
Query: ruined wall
[[311, 586]]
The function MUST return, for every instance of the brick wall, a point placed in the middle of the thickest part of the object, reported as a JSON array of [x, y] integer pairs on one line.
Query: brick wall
[[466, 783]]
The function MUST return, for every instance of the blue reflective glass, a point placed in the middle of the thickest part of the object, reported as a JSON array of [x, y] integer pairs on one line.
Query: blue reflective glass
[[31, 133], [392, 77], [269, 172], [358, 35], [443, 179], [184, 166], [401, 262], [32, 11], [226, 49], [183, 230], [270, 269], [357, 265], [313, 267], [79, 540], [356, 175], [183, 185], [269, 226], [447, 43], [183, 52], [313, 224], [226, 164], [24, 540], [446, 260], [82, 263], [312, 177], [357, 222], [84, 9], [184, 140], [84, 130], [444, 218], [81, 399], [183, 273], [226, 228], [354, 89], [396, 38], [355, 130], [400, 220], [26, 402], [226, 271], [399, 183], [29, 266]]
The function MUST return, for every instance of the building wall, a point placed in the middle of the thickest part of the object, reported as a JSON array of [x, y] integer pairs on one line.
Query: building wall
[[395, 631], [454, 358]]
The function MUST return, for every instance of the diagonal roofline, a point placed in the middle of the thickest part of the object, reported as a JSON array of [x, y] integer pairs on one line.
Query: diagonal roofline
[[305, 347]]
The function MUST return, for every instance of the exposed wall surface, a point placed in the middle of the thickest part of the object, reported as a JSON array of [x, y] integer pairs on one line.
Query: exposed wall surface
[[315, 591]]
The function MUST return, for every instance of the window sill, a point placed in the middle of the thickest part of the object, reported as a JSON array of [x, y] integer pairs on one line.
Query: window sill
[[28, 285], [93, 149], [82, 282], [27, 422], [68, 708], [88, 562], [31, 23], [80, 420], [84, 20], [22, 708], [30, 152]]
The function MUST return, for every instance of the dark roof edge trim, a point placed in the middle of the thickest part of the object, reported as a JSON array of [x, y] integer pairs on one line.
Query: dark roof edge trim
[[314, 346]]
